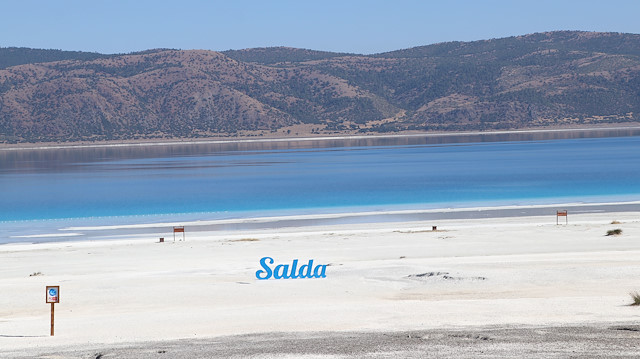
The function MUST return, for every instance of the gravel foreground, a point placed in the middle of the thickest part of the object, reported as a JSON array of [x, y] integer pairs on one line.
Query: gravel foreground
[[598, 341]]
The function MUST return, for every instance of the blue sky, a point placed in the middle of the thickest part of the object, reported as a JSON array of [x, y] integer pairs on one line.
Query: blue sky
[[358, 26]]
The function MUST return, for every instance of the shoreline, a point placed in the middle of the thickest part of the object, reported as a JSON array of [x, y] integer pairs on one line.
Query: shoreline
[[248, 140], [79, 229]]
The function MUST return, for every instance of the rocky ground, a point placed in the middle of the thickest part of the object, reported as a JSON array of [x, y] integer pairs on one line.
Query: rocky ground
[[597, 341]]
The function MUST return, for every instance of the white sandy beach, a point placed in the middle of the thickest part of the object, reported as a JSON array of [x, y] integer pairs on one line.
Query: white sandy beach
[[522, 271]]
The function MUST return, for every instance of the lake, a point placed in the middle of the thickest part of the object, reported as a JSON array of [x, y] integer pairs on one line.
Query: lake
[[227, 180]]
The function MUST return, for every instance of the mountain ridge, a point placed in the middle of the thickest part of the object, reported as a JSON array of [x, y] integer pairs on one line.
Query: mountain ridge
[[531, 81]]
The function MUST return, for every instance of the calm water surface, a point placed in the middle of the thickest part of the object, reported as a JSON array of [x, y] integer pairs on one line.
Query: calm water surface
[[308, 176]]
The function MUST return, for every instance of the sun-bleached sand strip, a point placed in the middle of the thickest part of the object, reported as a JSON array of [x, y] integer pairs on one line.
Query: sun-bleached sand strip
[[132, 227], [515, 271]]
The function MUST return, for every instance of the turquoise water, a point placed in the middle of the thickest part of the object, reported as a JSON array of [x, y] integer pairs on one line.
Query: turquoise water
[[323, 176]]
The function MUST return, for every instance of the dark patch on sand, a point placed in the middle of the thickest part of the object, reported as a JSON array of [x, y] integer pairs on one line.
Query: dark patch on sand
[[593, 341], [628, 328], [442, 275]]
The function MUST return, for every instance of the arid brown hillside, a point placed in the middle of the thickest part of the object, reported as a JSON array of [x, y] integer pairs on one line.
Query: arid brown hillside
[[551, 79], [168, 93]]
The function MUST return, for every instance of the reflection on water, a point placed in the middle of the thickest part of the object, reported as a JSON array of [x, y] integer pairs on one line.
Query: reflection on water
[[427, 171], [61, 159]]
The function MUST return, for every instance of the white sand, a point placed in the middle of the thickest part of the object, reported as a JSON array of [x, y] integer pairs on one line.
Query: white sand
[[514, 271]]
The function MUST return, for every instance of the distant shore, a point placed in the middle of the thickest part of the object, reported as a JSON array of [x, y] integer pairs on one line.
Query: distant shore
[[275, 138]]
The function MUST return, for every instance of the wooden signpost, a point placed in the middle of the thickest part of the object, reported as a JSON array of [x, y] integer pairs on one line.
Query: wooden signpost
[[562, 214], [53, 297], [178, 229]]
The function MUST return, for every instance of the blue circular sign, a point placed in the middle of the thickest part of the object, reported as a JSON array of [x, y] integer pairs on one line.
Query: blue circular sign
[[53, 292]]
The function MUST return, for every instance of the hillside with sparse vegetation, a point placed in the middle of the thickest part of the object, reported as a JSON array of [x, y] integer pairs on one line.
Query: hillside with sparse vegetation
[[544, 80]]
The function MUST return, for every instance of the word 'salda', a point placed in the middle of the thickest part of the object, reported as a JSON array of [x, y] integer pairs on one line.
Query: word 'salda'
[[284, 271]]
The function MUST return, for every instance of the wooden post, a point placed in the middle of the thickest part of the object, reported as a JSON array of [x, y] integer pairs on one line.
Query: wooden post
[[52, 316], [52, 296]]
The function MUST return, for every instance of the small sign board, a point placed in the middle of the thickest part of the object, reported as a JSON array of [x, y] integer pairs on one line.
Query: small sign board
[[53, 294], [562, 214], [178, 229]]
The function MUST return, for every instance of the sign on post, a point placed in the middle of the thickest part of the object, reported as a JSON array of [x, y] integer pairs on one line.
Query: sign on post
[[562, 214], [52, 296], [178, 229]]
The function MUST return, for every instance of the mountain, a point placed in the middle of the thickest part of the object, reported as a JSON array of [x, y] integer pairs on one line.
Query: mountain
[[12, 56], [275, 55], [540, 80]]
